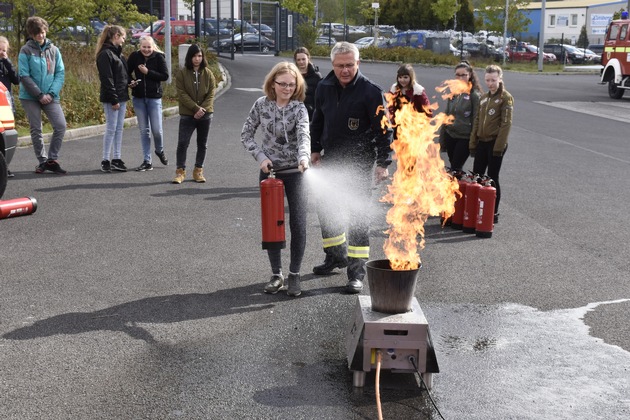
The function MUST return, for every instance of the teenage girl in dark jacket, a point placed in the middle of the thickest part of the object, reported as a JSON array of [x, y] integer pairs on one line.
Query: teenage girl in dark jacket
[[311, 75], [148, 67], [112, 70]]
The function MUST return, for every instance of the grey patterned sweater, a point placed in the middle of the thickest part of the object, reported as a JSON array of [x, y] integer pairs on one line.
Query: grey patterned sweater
[[285, 139]]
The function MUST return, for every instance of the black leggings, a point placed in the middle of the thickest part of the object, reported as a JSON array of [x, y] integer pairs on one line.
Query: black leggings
[[297, 199], [484, 160], [457, 151]]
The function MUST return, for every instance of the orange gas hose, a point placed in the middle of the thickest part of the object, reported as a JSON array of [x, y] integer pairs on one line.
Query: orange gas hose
[[377, 387]]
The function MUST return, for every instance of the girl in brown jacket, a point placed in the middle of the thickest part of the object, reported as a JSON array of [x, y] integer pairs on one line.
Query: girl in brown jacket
[[489, 137]]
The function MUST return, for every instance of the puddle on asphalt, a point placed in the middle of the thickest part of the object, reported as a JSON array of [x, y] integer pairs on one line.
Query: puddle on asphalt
[[514, 361]]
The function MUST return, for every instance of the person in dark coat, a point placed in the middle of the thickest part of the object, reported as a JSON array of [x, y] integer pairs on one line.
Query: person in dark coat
[[112, 71], [148, 67], [311, 75], [347, 139]]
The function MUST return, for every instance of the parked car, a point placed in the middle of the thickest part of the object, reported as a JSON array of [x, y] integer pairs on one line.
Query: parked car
[[245, 42], [368, 41], [591, 56], [214, 28], [239, 26], [597, 48], [325, 40], [565, 53], [8, 136], [526, 52], [413, 39], [182, 32], [266, 30], [458, 52]]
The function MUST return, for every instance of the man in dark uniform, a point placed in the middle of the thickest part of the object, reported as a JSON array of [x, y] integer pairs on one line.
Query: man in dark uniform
[[346, 126]]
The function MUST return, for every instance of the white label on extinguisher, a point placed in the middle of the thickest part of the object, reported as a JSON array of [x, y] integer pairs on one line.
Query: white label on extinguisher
[[479, 211]]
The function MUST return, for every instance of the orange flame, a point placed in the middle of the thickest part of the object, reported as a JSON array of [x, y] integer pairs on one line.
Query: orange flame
[[420, 187]]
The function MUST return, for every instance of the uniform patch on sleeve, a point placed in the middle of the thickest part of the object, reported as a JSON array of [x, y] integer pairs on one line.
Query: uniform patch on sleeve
[[353, 123]]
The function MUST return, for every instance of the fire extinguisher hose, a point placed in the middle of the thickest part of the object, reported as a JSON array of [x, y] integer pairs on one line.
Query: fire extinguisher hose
[[379, 410]]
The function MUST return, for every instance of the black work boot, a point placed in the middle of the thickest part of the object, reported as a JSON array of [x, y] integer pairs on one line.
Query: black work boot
[[356, 274], [335, 258]]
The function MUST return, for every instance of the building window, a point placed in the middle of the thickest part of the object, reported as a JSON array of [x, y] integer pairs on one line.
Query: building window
[[574, 20], [552, 20]]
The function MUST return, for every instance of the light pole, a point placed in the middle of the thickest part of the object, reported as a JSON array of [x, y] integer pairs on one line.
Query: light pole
[[375, 6], [344, 21]]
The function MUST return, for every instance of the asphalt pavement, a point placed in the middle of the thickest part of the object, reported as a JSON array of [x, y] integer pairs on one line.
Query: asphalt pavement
[[125, 296]]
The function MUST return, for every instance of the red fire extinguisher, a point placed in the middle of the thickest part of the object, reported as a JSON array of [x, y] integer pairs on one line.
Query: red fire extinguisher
[[17, 207], [457, 219], [470, 206], [485, 209], [272, 211]]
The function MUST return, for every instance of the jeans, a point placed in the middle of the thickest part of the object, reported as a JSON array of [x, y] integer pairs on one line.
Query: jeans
[[187, 125], [54, 112], [484, 159], [149, 114], [114, 124], [297, 198]]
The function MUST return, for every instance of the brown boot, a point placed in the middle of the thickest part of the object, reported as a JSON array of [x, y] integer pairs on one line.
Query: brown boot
[[198, 175], [180, 175]]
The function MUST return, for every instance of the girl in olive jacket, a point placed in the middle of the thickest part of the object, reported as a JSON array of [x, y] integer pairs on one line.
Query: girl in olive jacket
[[195, 85], [489, 138]]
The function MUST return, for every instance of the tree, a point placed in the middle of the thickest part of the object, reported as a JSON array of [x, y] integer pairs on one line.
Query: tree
[[304, 7], [492, 15], [583, 39], [61, 14], [444, 10]]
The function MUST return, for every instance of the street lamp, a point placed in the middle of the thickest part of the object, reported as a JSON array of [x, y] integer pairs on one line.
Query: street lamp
[[375, 6]]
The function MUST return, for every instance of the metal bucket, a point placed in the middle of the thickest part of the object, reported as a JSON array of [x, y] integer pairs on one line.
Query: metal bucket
[[391, 291]]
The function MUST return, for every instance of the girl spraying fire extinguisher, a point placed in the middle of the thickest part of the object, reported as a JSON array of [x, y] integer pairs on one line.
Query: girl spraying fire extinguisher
[[286, 143]]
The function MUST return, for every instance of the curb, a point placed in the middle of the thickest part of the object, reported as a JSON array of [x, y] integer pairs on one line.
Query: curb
[[94, 130]]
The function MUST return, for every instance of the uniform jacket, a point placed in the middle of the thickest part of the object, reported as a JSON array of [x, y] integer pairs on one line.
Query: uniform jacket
[[418, 97], [285, 135], [347, 121], [463, 108], [112, 70], [493, 121], [41, 70], [195, 90], [312, 78], [8, 75], [151, 83]]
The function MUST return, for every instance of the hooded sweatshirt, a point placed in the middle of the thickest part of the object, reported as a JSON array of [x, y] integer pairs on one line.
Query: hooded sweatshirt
[[285, 134]]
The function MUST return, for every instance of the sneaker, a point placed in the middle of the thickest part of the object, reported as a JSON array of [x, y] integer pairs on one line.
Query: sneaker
[[53, 166], [275, 283], [41, 168], [10, 174], [162, 157], [294, 285], [354, 286], [146, 166], [106, 166], [118, 165]]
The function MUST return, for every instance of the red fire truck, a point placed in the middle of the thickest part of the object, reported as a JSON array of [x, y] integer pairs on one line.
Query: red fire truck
[[616, 58]]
